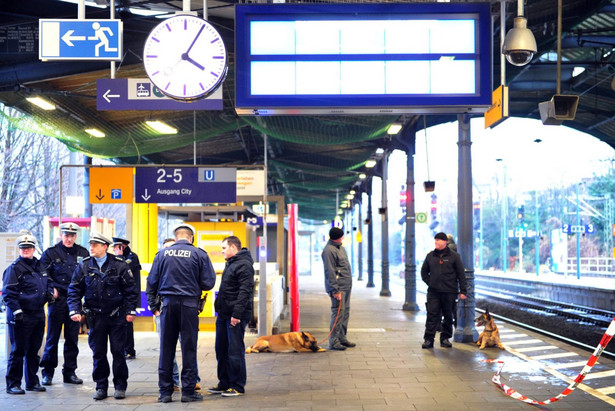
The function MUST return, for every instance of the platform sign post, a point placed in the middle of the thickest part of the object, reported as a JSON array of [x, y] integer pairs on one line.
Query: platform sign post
[[77, 39]]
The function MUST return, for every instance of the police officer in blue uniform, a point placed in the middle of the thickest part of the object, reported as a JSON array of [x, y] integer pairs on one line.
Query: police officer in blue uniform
[[179, 274], [60, 262], [121, 248], [26, 290], [110, 303]]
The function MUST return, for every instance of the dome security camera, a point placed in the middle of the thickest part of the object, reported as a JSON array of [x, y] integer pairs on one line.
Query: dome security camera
[[519, 57], [519, 45]]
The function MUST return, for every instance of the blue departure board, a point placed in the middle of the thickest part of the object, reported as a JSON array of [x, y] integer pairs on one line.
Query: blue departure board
[[363, 58]]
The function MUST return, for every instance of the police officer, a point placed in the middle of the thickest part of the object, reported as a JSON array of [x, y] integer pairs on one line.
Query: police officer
[[60, 261], [110, 302], [179, 274], [26, 290], [120, 247]]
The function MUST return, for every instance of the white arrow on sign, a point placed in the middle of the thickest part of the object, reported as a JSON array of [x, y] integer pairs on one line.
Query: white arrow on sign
[[107, 96], [146, 196], [68, 38]]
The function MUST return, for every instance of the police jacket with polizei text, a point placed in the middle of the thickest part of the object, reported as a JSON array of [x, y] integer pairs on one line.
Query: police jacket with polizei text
[[60, 262], [104, 289], [338, 276], [235, 297], [443, 271], [26, 286], [181, 270]]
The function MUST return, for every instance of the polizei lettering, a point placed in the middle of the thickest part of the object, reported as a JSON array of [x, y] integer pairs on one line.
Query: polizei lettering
[[178, 253]]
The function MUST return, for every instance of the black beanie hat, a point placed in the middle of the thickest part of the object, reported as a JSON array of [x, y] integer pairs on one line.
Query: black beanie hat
[[336, 233], [441, 236]]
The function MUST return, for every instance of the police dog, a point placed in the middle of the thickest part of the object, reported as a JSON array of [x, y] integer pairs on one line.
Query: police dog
[[490, 336], [287, 342]]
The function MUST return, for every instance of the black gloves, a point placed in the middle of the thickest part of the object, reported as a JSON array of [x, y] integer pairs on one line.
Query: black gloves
[[18, 316]]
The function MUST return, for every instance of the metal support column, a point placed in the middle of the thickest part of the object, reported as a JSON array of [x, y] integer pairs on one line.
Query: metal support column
[[360, 243], [370, 237], [408, 137], [384, 211], [465, 330]]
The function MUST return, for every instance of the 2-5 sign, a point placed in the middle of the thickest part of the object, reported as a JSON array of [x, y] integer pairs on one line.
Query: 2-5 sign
[[164, 175]]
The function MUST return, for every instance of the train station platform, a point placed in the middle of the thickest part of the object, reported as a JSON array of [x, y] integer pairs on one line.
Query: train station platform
[[386, 370]]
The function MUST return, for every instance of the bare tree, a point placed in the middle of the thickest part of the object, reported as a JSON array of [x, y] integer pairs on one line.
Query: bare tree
[[28, 174]]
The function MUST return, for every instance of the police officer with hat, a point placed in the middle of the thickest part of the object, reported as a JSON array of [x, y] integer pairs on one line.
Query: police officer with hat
[[120, 248], [179, 274], [60, 261], [26, 290], [110, 303]]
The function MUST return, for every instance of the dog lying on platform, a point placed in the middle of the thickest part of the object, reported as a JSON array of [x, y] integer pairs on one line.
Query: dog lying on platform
[[287, 342], [490, 336]]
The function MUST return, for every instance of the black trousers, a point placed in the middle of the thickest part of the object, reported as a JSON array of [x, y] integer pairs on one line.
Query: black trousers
[[26, 338], [57, 317], [439, 304], [104, 328], [231, 354], [178, 315], [130, 340]]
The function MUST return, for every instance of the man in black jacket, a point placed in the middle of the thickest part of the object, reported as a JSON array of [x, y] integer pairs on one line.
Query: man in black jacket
[[234, 307], [107, 288], [444, 275], [60, 262]]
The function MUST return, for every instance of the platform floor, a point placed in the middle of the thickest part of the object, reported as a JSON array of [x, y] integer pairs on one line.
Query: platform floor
[[386, 370]]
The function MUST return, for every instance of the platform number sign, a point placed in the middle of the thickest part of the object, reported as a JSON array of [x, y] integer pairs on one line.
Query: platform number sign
[[574, 229]]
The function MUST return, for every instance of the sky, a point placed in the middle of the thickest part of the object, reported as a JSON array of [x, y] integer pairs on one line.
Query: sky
[[563, 155]]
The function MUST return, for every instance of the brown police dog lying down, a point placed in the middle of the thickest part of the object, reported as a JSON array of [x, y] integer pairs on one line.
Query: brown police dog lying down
[[490, 336], [287, 342]]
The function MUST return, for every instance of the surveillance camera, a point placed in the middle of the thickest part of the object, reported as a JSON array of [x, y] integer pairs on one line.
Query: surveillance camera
[[519, 57], [519, 44]]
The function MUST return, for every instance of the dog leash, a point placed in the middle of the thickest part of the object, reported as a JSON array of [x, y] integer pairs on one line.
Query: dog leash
[[335, 322], [590, 363]]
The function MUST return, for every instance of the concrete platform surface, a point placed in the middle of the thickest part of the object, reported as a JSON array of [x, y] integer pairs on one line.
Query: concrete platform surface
[[386, 370]]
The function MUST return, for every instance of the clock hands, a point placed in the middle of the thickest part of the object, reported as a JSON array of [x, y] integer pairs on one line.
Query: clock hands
[[185, 55], [189, 60], [194, 41]]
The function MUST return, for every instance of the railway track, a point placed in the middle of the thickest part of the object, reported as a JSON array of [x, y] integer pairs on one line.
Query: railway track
[[585, 315]]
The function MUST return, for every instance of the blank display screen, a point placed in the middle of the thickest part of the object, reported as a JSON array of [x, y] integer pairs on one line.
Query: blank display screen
[[363, 55]]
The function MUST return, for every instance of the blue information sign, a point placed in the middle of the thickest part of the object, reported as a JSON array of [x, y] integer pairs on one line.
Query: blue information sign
[[141, 94], [185, 185], [72, 39]]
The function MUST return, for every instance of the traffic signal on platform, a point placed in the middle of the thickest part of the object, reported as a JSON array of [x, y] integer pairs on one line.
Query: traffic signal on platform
[[476, 216], [521, 212]]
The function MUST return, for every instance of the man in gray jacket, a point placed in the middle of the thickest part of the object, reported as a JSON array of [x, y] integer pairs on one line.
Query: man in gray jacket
[[338, 284]]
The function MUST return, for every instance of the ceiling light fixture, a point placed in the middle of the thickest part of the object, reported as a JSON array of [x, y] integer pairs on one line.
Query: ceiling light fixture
[[362, 176], [380, 151], [519, 45], [370, 163], [161, 127], [94, 132], [42, 103], [394, 128]]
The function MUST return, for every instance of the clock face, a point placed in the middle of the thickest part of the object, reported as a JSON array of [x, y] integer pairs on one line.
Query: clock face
[[185, 57]]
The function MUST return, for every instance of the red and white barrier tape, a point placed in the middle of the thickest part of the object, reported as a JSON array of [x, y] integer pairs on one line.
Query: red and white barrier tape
[[590, 363]]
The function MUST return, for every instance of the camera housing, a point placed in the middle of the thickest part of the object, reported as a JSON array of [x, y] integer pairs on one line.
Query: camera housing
[[519, 45]]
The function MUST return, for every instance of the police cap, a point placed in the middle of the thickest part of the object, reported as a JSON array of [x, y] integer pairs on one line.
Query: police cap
[[119, 240], [185, 226], [26, 241], [69, 228], [99, 238]]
